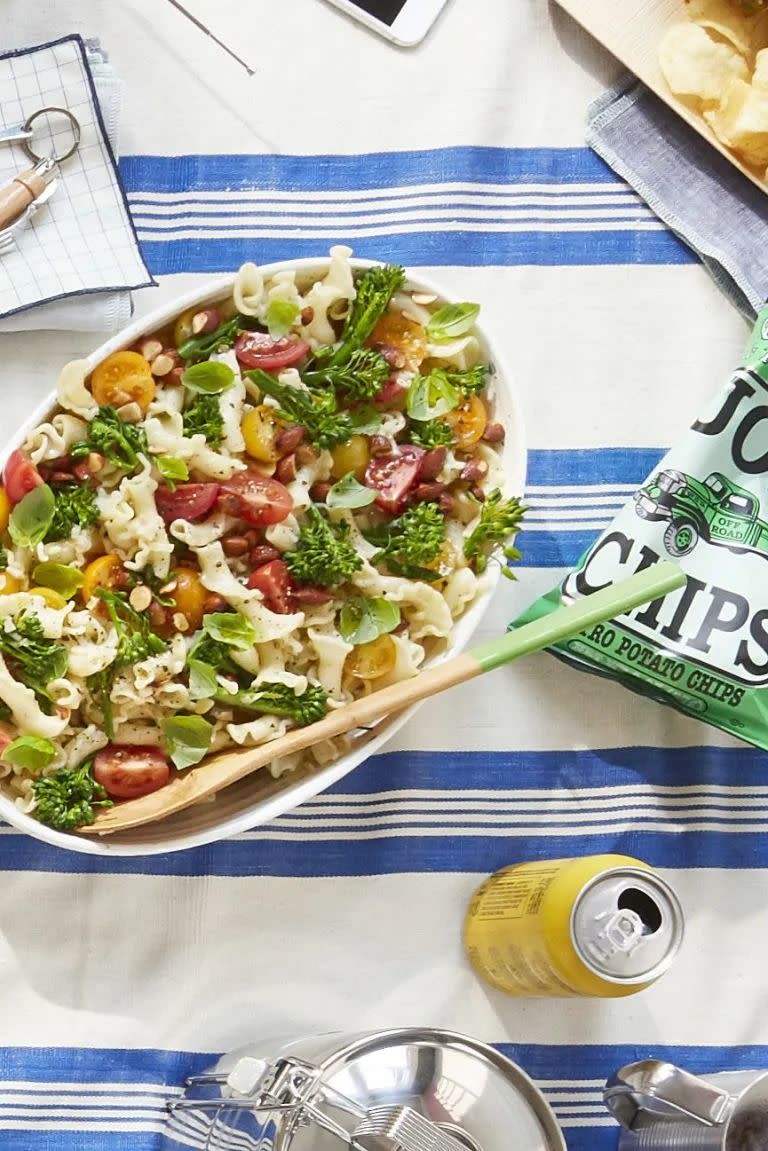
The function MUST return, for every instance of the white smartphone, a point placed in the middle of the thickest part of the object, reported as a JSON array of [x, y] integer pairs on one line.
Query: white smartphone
[[406, 22]]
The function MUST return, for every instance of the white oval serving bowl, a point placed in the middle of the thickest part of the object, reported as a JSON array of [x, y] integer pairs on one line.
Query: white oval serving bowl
[[260, 798]]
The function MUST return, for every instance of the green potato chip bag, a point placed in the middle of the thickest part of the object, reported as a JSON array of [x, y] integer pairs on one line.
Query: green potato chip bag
[[704, 648]]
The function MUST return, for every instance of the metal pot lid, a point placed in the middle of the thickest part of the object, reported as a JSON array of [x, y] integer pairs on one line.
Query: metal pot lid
[[467, 1090]]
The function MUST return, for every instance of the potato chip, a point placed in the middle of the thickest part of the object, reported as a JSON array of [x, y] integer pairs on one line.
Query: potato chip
[[726, 19], [760, 75], [697, 67], [741, 121]]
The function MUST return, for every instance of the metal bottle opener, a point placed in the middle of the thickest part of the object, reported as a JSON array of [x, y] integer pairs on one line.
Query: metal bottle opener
[[30, 189], [662, 1108]]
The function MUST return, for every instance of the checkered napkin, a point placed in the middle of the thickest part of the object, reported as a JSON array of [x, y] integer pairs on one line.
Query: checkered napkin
[[75, 263], [702, 197]]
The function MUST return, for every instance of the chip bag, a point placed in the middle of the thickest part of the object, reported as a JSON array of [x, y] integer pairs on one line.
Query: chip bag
[[703, 648]]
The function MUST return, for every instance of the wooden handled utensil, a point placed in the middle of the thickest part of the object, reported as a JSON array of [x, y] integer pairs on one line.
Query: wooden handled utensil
[[220, 771]]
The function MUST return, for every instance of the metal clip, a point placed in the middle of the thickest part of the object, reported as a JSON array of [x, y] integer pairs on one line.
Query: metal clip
[[401, 1129]]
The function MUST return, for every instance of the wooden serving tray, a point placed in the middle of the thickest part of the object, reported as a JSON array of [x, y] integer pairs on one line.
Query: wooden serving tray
[[631, 30]]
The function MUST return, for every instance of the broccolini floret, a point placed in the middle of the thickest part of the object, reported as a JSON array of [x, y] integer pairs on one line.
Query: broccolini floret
[[31, 658], [66, 799], [359, 378], [203, 417], [75, 507], [431, 434], [278, 699], [119, 442], [323, 554], [410, 543], [500, 520]]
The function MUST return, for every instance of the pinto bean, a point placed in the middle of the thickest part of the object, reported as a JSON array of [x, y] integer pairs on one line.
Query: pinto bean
[[473, 471], [379, 446], [311, 595], [263, 554], [432, 463], [494, 433], [432, 491], [289, 439], [306, 454], [319, 492], [234, 545], [445, 503], [286, 470], [158, 616], [394, 357], [307, 315]]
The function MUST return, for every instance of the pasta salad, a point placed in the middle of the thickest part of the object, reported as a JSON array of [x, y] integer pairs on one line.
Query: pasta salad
[[258, 513]]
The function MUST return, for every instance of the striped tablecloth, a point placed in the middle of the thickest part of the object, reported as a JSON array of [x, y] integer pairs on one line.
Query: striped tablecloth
[[463, 159]]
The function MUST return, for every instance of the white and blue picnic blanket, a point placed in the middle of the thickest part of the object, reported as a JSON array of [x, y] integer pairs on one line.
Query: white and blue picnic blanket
[[463, 159]]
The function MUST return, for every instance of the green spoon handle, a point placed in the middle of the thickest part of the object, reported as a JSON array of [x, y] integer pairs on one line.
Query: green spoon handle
[[618, 598]]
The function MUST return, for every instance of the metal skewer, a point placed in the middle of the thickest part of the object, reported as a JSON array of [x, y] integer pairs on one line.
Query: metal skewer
[[199, 24]]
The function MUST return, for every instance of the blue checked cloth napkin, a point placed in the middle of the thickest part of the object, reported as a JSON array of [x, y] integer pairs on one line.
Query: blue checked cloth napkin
[[74, 265], [707, 202]]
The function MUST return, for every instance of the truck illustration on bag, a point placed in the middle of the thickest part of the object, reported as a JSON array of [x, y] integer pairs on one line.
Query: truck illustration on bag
[[715, 510]]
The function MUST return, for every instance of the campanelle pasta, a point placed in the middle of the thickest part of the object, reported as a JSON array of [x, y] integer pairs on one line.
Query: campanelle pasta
[[271, 507]]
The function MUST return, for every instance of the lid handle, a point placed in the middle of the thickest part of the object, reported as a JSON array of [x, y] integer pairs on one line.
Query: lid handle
[[652, 1091], [401, 1129]]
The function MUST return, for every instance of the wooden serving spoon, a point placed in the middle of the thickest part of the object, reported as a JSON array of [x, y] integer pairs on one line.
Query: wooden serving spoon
[[222, 770]]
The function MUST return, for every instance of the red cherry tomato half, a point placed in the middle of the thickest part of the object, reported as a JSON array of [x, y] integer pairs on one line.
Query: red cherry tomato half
[[391, 395], [274, 582], [259, 350], [126, 771], [20, 476], [186, 502], [262, 500], [393, 476]]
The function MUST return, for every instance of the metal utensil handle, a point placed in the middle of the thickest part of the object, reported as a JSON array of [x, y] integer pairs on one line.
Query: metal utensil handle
[[401, 1129], [653, 1091], [672, 1137]]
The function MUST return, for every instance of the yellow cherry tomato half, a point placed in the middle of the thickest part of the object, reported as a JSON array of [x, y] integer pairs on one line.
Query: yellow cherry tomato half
[[351, 456], [189, 597], [468, 421], [100, 573], [123, 378], [260, 428], [372, 660], [408, 337], [5, 509], [51, 597], [9, 584]]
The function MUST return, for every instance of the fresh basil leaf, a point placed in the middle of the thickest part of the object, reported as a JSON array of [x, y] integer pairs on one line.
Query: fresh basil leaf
[[362, 619], [281, 315], [365, 420], [348, 493], [202, 680], [209, 377], [431, 396], [171, 468], [187, 739], [32, 517], [59, 577], [452, 320], [29, 753], [231, 628]]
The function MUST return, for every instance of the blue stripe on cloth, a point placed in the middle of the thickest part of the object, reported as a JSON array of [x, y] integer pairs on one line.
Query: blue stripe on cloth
[[635, 822], [233, 173], [528, 240], [565, 1074], [563, 544]]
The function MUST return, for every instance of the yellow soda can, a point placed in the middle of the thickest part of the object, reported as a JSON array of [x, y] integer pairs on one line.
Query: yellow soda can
[[603, 925]]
